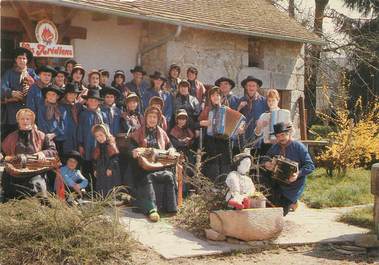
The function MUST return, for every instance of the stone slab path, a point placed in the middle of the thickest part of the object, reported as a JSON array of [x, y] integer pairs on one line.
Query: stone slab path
[[305, 226]]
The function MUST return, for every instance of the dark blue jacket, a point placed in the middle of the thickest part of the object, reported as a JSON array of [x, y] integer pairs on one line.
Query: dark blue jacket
[[71, 128], [297, 152], [85, 136], [115, 122], [10, 81], [53, 125]]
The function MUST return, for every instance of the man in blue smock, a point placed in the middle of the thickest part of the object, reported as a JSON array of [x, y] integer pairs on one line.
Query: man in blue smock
[[138, 85], [283, 194], [15, 84], [251, 105]]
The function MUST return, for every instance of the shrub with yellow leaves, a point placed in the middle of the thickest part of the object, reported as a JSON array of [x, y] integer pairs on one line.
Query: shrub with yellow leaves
[[355, 140]]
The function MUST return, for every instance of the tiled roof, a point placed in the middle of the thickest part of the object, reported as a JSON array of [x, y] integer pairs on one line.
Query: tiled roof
[[247, 17]]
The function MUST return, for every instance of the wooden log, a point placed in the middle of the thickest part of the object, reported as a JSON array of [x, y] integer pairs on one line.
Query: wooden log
[[375, 191], [249, 224]]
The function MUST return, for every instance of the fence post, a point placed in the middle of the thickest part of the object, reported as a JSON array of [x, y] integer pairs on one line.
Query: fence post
[[375, 191]]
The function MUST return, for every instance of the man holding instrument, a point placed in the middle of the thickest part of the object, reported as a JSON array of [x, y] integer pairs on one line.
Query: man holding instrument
[[27, 140], [15, 84], [286, 193], [155, 188]]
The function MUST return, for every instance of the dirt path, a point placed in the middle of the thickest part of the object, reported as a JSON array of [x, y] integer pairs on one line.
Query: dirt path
[[309, 255]]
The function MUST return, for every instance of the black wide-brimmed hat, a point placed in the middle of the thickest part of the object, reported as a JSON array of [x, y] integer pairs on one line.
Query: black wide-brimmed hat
[[110, 90], [61, 70], [138, 69], [75, 155], [93, 93], [72, 88], [21, 51], [52, 88], [158, 75], [281, 127], [225, 79], [46, 69], [251, 78]]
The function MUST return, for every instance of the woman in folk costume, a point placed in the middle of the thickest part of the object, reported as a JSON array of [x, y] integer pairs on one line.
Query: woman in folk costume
[[118, 82], [158, 89], [106, 161], [197, 88], [181, 135], [26, 140], [71, 121], [15, 84], [131, 119], [51, 117], [155, 190], [173, 79], [112, 112], [218, 150], [77, 76], [89, 117], [184, 100], [239, 183], [227, 98], [158, 103], [34, 98], [266, 122]]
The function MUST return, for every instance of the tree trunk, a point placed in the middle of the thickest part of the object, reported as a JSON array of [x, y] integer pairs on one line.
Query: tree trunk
[[312, 62], [291, 8]]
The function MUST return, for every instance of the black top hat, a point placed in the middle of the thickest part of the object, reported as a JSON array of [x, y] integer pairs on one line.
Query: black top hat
[[75, 155], [110, 90], [251, 78], [72, 88], [280, 128], [47, 69], [52, 88], [21, 51], [158, 75], [93, 93], [223, 79], [138, 69], [104, 72], [71, 61], [61, 70]]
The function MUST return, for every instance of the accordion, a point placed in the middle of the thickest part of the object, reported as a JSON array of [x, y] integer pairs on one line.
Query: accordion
[[225, 122], [283, 169]]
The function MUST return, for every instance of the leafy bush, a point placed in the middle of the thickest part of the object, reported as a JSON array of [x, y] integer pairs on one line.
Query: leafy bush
[[355, 142], [319, 131], [35, 234]]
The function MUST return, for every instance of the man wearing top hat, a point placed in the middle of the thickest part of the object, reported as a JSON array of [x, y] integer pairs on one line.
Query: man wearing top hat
[[228, 99], [138, 85], [34, 98], [251, 105], [282, 194], [14, 85], [60, 79]]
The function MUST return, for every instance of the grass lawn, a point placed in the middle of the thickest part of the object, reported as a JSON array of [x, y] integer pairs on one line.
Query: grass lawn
[[362, 217], [323, 191]]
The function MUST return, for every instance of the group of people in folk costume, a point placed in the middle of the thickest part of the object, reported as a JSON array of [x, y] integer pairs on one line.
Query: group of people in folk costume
[[53, 111]]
